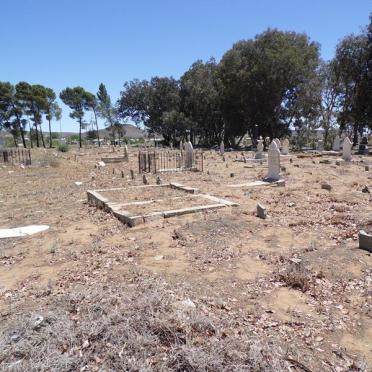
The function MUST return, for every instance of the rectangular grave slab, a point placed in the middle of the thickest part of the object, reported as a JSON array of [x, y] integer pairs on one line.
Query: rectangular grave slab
[[139, 204]]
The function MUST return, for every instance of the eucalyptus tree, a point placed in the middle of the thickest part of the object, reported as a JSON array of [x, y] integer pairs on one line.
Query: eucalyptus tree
[[11, 112], [107, 111], [92, 104], [52, 111], [77, 99]]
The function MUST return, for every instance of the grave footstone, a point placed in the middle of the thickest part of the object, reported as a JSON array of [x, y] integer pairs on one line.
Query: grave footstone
[[346, 149], [261, 211]]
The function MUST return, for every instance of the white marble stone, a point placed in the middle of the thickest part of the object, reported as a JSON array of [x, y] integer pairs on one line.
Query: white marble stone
[[222, 148], [285, 147], [278, 143], [189, 154], [260, 147], [273, 162], [336, 144], [346, 149]]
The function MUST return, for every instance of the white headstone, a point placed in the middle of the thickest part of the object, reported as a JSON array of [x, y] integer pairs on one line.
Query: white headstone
[[222, 148], [285, 147], [260, 147], [346, 149], [273, 162], [189, 154], [278, 143], [336, 143]]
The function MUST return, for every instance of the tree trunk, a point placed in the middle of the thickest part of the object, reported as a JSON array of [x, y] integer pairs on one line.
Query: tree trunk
[[50, 136], [15, 140], [42, 136], [22, 134], [95, 117], [31, 142], [80, 133], [37, 136]]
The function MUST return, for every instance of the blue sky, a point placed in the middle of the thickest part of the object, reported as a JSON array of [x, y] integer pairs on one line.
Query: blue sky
[[61, 43]]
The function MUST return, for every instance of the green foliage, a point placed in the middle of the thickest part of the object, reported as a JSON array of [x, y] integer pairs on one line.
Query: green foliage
[[63, 147]]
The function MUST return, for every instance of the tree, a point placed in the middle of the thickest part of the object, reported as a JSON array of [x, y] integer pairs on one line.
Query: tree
[[148, 102], [351, 60], [76, 99], [93, 105], [201, 101], [107, 111], [52, 110], [33, 99], [11, 112], [263, 81]]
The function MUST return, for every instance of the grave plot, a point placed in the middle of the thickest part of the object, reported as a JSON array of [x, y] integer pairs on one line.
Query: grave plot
[[139, 204]]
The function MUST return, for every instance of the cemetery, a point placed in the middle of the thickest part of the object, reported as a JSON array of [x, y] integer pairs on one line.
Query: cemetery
[[186, 186], [270, 242]]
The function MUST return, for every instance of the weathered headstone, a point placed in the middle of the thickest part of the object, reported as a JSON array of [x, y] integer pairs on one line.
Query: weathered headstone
[[363, 146], [365, 241], [222, 148], [273, 162], [320, 145], [158, 180], [126, 152], [346, 149], [189, 155], [285, 147], [260, 147], [144, 178], [336, 143], [278, 143], [132, 176]]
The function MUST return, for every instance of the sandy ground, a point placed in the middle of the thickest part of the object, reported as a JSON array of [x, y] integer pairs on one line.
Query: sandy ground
[[229, 254]]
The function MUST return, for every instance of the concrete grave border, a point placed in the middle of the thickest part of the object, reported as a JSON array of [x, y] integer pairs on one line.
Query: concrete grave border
[[98, 200]]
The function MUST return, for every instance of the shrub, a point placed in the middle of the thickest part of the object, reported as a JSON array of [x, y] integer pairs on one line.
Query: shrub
[[62, 147]]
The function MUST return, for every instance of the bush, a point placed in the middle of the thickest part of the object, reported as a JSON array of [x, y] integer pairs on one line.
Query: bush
[[62, 147]]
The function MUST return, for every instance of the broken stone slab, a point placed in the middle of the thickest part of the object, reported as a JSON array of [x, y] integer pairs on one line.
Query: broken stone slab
[[261, 211], [22, 231], [365, 241]]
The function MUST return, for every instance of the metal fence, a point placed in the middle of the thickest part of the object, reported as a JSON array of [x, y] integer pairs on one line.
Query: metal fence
[[16, 156], [170, 161]]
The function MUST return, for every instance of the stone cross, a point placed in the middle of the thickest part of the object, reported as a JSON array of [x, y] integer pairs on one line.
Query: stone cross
[[189, 155], [273, 162], [285, 147], [336, 143], [222, 148], [346, 149], [260, 146]]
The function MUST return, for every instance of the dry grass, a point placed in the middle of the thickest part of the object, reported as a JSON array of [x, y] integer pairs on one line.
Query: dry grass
[[144, 326], [296, 276]]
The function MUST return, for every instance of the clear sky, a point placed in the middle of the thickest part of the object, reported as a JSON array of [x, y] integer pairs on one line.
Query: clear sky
[[61, 43]]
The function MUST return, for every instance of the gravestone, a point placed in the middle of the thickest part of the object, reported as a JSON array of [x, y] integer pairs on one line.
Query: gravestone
[[181, 145], [320, 145], [363, 147], [267, 141], [144, 179], [132, 176], [273, 162], [260, 147], [189, 155], [346, 149], [222, 148], [285, 147], [278, 143], [336, 144], [126, 152]]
